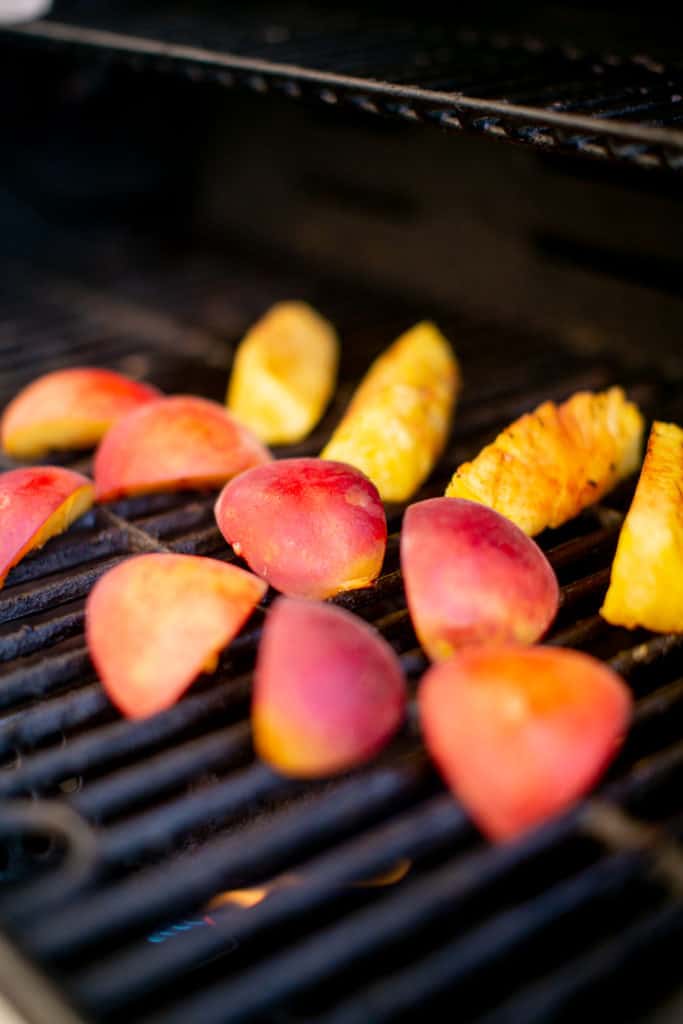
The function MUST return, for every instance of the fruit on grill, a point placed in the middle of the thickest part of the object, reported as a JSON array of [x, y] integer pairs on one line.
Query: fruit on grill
[[311, 528], [284, 373], [646, 588], [174, 443], [473, 577], [398, 420], [155, 622], [329, 691], [71, 408], [37, 503], [551, 463], [520, 733]]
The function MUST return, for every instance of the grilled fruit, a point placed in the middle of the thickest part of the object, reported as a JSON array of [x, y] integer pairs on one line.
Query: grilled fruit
[[35, 504], [646, 588], [397, 422], [520, 733], [284, 373], [329, 691], [311, 528], [68, 409], [551, 463], [155, 622], [174, 443], [472, 577]]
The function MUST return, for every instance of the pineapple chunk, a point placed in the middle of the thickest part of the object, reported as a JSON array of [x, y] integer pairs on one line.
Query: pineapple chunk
[[646, 588], [284, 373], [551, 463], [398, 420]]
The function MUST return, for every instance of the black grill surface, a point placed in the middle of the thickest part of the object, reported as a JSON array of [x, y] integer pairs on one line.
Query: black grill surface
[[599, 94], [367, 898]]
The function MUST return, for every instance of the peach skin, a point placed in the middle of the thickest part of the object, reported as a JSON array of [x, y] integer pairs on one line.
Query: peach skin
[[473, 577], [311, 528], [155, 622], [520, 733], [284, 373], [37, 503], [329, 691], [171, 444], [71, 408]]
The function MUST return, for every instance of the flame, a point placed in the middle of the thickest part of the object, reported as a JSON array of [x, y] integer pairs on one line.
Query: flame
[[391, 876], [246, 898], [240, 897]]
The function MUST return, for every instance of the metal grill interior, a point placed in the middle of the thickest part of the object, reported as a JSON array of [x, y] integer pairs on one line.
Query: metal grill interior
[[155, 871], [156, 818]]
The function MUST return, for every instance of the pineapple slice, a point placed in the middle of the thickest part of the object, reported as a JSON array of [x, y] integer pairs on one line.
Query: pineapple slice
[[284, 373], [551, 463], [646, 588], [398, 420]]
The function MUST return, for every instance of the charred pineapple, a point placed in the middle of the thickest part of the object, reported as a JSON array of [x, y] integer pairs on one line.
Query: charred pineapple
[[551, 463], [284, 373], [646, 588], [398, 420]]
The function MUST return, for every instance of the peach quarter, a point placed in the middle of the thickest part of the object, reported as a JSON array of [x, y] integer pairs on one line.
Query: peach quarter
[[311, 528], [37, 503], [520, 733], [473, 577], [155, 622], [72, 408], [329, 691], [171, 444]]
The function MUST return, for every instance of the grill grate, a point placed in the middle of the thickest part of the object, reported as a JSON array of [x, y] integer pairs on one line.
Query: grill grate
[[551, 95], [370, 897]]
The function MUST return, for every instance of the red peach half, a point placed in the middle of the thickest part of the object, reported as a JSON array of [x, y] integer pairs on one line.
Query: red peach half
[[71, 408], [171, 444], [520, 733], [472, 577], [310, 527], [37, 503], [329, 691], [155, 622]]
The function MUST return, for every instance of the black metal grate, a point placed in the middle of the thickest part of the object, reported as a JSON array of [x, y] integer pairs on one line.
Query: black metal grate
[[554, 95], [370, 897]]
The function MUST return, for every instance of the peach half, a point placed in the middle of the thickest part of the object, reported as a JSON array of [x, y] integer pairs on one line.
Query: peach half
[[37, 503], [473, 577], [171, 444], [71, 408], [311, 528], [329, 691], [155, 622], [520, 733]]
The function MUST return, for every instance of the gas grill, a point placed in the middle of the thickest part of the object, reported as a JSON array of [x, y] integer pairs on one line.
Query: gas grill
[[155, 871]]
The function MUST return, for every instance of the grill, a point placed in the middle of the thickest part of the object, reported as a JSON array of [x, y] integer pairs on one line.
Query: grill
[[155, 871], [514, 84], [129, 831]]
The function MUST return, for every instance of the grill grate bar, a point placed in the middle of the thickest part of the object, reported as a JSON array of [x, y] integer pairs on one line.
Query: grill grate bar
[[150, 898]]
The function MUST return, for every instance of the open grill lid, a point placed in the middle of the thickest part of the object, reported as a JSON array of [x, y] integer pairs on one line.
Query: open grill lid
[[365, 898]]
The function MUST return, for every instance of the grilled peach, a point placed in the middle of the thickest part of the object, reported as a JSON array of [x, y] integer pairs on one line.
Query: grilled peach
[[37, 503], [155, 622], [646, 588], [552, 463], [71, 408], [473, 577], [311, 528], [284, 373], [397, 423], [329, 692], [520, 733], [171, 444]]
